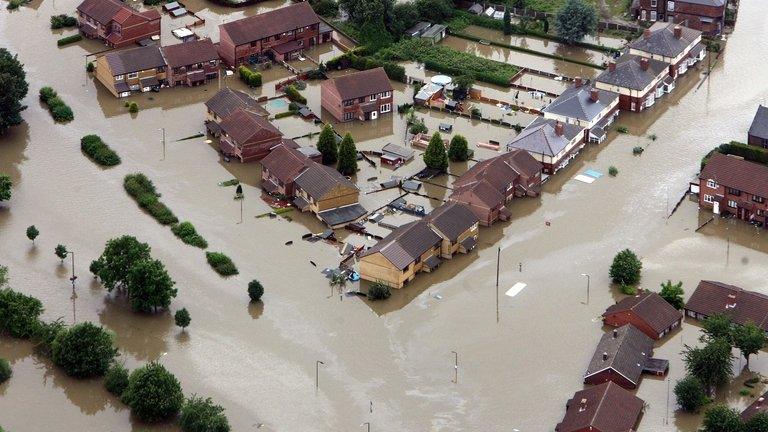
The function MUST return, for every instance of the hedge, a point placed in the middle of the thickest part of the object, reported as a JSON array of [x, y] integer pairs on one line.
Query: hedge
[[100, 152], [144, 193], [61, 21], [351, 59], [69, 39], [188, 234], [294, 95], [221, 263], [249, 77], [748, 152], [284, 114], [60, 111]]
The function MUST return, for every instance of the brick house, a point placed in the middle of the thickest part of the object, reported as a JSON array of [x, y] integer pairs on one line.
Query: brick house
[[115, 23], [329, 195], [586, 106], [280, 168], [731, 185], [361, 95], [458, 227], [670, 43], [247, 136], [758, 130], [647, 311], [136, 69], [638, 80], [551, 142], [740, 305], [191, 63], [280, 34], [225, 102], [707, 16], [602, 408]]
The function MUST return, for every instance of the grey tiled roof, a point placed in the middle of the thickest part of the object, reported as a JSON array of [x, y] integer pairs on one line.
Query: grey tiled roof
[[135, 59], [575, 102], [406, 243], [759, 127], [317, 180], [662, 40], [452, 219], [630, 74], [540, 137], [226, 101], [626, 350]]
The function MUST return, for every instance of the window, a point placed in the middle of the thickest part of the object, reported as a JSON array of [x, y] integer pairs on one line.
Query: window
[[386, 94], [733, 191], [348, 102], [670, 5], [709, 199], [349, 116], [758, 199], [133, 75], [642, 15], [300, 30], [732, 204], [373, 97], [119, 77], [632, 108], [301, 43], [759, 212], [385, 108], [711, 184], [213, 62], [653, 15], [654, 3]]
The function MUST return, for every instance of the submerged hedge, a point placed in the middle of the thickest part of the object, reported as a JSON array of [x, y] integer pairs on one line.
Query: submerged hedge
[[100, 152], [69, 39], [221, 263], [188, 234], [144, 193], [60, 111]]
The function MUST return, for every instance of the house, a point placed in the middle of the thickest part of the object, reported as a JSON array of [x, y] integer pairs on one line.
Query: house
[[329, 195], [435, 33], [647, 311], [247, 136], [398, 257], [277, 35], [585, 106], [361, 95], [731, 185], [191, 63], [115, 23], [280, 168], [458, 227], [551, 142], [489, 185], [417, 29], [622, 356], [135, 69], [707, 16], [758, 130], [225, 102], [670, 43], [740, 305], [393, 154], [760, 405], [638, 80], [602, 408]]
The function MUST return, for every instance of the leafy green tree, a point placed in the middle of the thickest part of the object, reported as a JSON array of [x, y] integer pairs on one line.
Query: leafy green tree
[[507, 20], [347, 156], [255, 290], [153, 393], [5, 183], [435, 156], [404, 16], [374, 35], [202, 415], [44, 334], [711, 364], [119, 256], [362, 11], [3, 276], [61, 252], [13, 89], [626, 268], [749, 339], [326, 8], [326, 145], [19, 313], [458, 150], [758, 423], [691, 394], [718, 326], [5, 370], [575, 20], [435, 11], [721, 418], [32, 233], [463, 86], [149, 286], [182, 318], [673, 294], [84, 350], [116, 379]]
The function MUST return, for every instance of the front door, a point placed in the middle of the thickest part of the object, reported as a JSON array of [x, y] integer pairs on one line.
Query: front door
[[716, 207], [374, 115]]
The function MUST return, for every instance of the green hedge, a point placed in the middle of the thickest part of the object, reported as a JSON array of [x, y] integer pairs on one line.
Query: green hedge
[[188, 234], [221, 263], [60, 111], [61, 21], [144, 193], [249, 77], [284, 114], [356, 60], [748, 152], [100, 152], [69, 39], [293, 94]]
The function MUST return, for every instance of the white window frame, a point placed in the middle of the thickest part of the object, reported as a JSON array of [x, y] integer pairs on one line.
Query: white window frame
[[385, 108], [119, 77], [709, 199], [653, 15], [670, 5], [732, 204], [386, 94], [372, 97], [349, 116], [711, 184], [132, 75]]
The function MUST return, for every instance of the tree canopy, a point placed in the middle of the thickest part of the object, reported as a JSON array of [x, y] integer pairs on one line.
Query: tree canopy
[[711, 364], [153, 393], [149, 286], [575, 20], [5, 186], [255, 290], [721, 418], [435, 156], [119, 256], [690, 393], [326, 145], [202, 415], [458, 149], [758, 423], [673, 294], [13, 89], [32, 233], [84, 350], [347, 156], [717, 326], [182, 318], [19, 313], [626, 268], [749, 339], [435, 11]]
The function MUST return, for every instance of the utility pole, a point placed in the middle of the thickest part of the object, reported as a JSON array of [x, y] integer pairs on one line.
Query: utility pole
[[455, 367], [367, 424], [74, 294], [498, 262], [587, 275], [163, 130], [239, 196], [317, 374]]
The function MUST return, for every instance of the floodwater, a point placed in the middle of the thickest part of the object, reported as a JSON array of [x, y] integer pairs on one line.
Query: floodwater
[[259, 361]]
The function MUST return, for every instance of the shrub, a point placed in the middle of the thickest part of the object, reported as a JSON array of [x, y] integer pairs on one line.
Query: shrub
[[201, 415], [255, 290], [14, 4], [221, 263], [613, 171], [182, 318], [293, 94], [417, 127], [622, 129], [84, 350], [249, 77], [285, 114], [626, 268], [116, 379], [44, 334], [143, 191], [90, 67], [69, 39], [47, 93], [61, 21], [627, 289], [19, 313], [59, 110], [5, 370], [187, 233], [153, 393], [379, 291], [32, 233], [100, 152], [153, 2], [133, 107], [691, 394]]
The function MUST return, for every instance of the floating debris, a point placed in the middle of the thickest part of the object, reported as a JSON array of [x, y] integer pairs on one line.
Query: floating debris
[[313, 263], [289, 242], [232, 182]]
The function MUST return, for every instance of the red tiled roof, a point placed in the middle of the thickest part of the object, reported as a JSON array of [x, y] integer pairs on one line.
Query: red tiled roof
[[363, 83], [190, 53], [651, 308], [605, 408], [737, 173], [253, 28], [245, 127], [285, 163], [103, 11], [480, 193], [740, 305], [502, 170]]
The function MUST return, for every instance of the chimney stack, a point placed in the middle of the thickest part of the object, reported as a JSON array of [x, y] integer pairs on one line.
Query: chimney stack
[[644, 64], [605, 356], [594, 94], [577, 82], [559, 128], [615, 333], [678, 32], [612, 66], [647, 33]]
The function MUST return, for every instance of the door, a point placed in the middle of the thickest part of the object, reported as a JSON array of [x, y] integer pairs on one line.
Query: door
[[374, 115], [716, 207]]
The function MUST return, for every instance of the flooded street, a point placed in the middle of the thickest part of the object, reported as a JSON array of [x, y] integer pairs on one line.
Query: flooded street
[[258, 361]]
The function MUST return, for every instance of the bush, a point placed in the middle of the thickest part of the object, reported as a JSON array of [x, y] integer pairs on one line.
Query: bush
[[90, 67], [249, 77], [5, 370], [293, 94], [354, 60], [458, 150], [622, 129], [44, 334], [255, 290], [84, 350], [69, 39], [613, 171], [144, 193], [626, 268], [417, 127], [221, 263], [14, 4], [182, 318], [133, 107], [284, 114], [691, 394], [116, 379], [627, 289], [201, 415], [153, 393], [60, 111], [47, 93], [100, 152], [61, 21], [19, 313], [379, 291], [187, 233]]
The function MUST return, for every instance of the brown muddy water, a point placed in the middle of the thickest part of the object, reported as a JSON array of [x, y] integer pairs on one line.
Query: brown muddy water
[[258, 361]]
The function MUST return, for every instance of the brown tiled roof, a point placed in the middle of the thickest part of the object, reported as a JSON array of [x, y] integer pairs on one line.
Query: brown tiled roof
[[103, 11], [740, 305], [502, 170], [245, 127], [737, 173], [285, 163], [135, 59], [452, 219], [317, 180], [406, 243], [605, 408], [190, 53], [270, 23], [625, 350], [651, 308], [480, 193], [363, 83], [227, 101]]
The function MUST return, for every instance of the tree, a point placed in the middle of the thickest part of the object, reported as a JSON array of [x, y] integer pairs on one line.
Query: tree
[[255, 290], [149, 286], [458, 150], [84, 350], [153, 393], [362, 11], [691, 394], [326, 8], [435, 11], [326, 145], [32, 233], [575, 20], [347, 156], [507, 20], [749, 339], [435, 156], [720, 418], [61, 252], [13, 89], [116, 379], [379, 291], [711, 364], [5, 370], [182, 318], [19, 313], [758, 423], [202, 415], [5, 184], [673, 294], [718, 326], [463, 85], [404, 16], [626, 268], [374, 35], [119, 256]]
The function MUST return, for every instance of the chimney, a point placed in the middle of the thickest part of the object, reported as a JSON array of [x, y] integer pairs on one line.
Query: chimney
[[577, 82], [612, 66], [605, 356], [594, 95], [615, 333], [644, 64], [559, 128], [678, 32], [647, 33]]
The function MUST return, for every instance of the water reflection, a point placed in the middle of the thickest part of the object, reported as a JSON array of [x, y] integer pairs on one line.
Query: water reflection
[[141, 335]]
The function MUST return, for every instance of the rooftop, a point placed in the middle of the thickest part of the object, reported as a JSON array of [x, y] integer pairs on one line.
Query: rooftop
[[629, 73], [759, 127], [740, 305], [577, 103], [245, 126], [660, 39], [540, 137], [317, 180], [605, 407], [190, 53], [135, 59], [452, 220], [737, 173], [405, 244], [260, 26], [624, 350], [226, 101], [363, 83], [285, 163], [651, 308]]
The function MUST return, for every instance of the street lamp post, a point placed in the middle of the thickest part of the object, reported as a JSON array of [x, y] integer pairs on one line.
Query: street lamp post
[[455, 367], [587, 275], [163, 130], [74, 294], [317, 374], [368, 424]]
